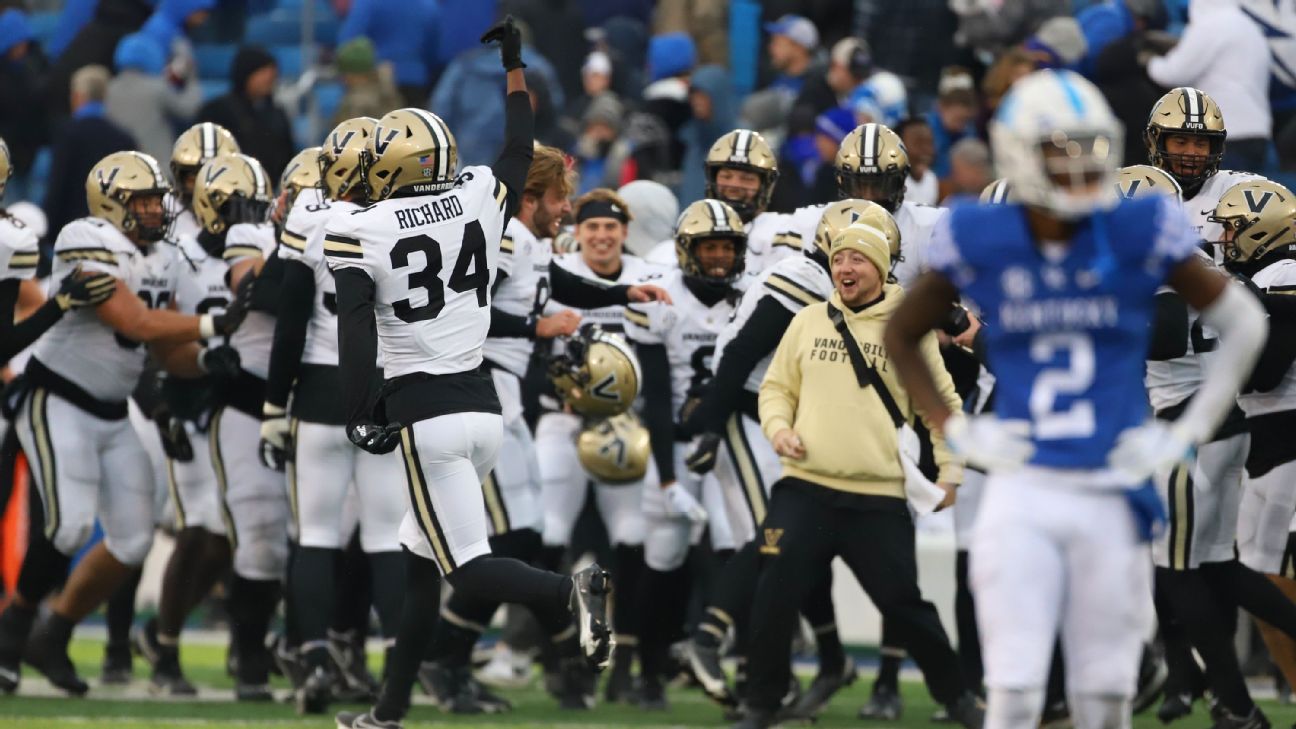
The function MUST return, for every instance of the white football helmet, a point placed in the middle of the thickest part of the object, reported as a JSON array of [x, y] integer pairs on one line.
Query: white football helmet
[[1058, 144]]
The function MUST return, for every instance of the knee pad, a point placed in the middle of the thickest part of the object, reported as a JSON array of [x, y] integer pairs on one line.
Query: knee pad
[[666, 544], [1013, 708], [69, 537], [130, 549], [1100, 711]]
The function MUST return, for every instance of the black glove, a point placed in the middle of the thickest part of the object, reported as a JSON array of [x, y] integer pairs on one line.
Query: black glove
[[76, 291], [510, 42], [375, 438], [703, 456], [222, 361], [229, 320], [175, 440], [957, 322]]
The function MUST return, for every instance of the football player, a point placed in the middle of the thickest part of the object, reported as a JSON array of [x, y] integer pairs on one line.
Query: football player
[[309, 440], [1071, 274], [749, 466], [741, 171], [232, 198], [193, 148], [675, 346], [88, 462], [413, 273]]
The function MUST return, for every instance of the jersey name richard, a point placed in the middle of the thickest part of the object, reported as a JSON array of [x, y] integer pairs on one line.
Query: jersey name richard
[[430, 212]]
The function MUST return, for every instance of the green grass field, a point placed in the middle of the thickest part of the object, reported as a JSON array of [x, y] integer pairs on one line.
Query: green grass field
[[36, 707]]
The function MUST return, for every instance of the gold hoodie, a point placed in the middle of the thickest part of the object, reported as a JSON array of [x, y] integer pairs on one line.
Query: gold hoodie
[[810, 387]]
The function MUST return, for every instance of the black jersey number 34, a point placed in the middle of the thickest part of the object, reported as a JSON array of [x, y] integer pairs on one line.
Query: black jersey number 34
[[470, 272]]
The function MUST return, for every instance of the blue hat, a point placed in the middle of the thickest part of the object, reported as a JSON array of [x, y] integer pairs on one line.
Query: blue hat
[[797, 29], [140, 52], [14, 29], [670, 54], [835, 123]]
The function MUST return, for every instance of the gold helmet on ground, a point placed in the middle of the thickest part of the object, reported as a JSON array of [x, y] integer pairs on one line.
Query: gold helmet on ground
[[596, 373], [615, 450], [1140, 180], [747, 151], [193, 148], [844, 213], [999, 192], [6, 166], [1185, 110], [708, 220], [411, 149], [1259, 213], [116, 181], [872, 164], [231, 189], [340, 159]]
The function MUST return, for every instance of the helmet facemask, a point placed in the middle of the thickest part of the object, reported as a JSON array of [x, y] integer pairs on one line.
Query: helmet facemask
[[884, 188], [147, 227], [1190, 170], [752, 204]]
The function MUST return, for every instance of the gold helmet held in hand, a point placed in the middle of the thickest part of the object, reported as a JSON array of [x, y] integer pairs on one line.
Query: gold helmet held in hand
[[1141, 180], [194, 148], [231, 189], [708, 220], [745, 151], [872, 164], [341, 167], [411, 149], [844, 213], [615, 450], [118, 186], [597, 373], [1259, 214]]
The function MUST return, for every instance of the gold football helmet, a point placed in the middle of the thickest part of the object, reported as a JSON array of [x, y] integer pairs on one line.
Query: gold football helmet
[[1259, 213], [193, 148], [1185, 110], [302, 172], [340, 166], [615, 450], [1140, 180], [999, 192], [743, 149], [706, 220], [6, 167], [410, 149], [843, 213], [597, 373], [872, 164], [231, 189], [114, 185]]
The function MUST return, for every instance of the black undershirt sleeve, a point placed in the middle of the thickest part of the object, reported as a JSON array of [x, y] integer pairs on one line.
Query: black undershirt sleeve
[[519, 139], [657, 407], [1277, 357], [759, 336], [583, 293], [296, 299], [1279, 306], [357, 342], [1169, 328], [504, 324], [14, 338]]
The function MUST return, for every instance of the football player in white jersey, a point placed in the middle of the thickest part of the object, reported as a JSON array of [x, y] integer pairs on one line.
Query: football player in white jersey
[[87, 460], [413, 273], [232, 198], [741, 171], [193, 149], [748, 465], [310, 441], [872, 164], [675, 345], [1185, 136]]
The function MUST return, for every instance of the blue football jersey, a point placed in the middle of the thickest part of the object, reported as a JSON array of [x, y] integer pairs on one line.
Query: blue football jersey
[[1067, 328]]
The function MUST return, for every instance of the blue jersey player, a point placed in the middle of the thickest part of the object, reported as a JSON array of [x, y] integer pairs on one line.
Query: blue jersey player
[[1066, 280]]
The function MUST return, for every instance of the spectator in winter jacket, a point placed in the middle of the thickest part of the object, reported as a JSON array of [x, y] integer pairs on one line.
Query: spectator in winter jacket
[[656, 210], [95, 43], [922, 185], [23, 123], [551, 26], [370, 89], [655, 132], [144, 103], [715, 113], [849, 66], [173, 17], [406, 39], [992, 25], [792, 45], [953, 117], [250, 113], [1106, 22]]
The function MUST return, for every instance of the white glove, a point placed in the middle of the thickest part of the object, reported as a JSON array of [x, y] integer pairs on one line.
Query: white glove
[[275, 429], [681, 503], [988, 442], [923, 495], [1143, 450]]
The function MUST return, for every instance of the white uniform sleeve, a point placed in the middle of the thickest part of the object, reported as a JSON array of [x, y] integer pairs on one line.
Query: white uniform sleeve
[[242, 243], [342, 247], [19, 251], [793, 285], [645, 323], [296, 230], [83, 243]]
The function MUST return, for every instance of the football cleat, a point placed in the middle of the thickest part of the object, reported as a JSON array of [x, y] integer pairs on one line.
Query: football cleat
[[968, 711], [506, 668], [823, 688], [620, 685], [348, 653], [704, 663], [168, 679], [1174, 707], [1151, 681], [315, 693], [15, 625], [652, 694], [364, 720], [1255, 720], [884, 704], [117, 669], [448, 688], [253, 692], [577, 688], [47, 652], [589, 606]]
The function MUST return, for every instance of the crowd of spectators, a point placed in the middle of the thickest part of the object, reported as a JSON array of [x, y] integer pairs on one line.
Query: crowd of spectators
[[637, 89]]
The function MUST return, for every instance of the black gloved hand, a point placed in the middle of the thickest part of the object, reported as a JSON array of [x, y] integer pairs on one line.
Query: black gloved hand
[[228, 321], [175, 440], [703, 456], [375, 438], [510, 42], [77, 291], [222, 361]]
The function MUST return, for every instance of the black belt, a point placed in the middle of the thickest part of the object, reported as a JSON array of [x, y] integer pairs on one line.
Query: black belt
[[38, 375], [420, 395]]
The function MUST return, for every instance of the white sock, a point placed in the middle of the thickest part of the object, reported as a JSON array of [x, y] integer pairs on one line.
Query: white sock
[[1014, 708], [1101, 711]]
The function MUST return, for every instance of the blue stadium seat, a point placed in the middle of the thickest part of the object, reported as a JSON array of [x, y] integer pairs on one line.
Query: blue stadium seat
[[276, 28], [43, 26], [328, 96], [289, 59], [214, 60]]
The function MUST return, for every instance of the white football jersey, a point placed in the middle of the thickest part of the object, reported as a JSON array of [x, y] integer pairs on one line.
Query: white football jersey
[[769, 242], [255, 335], [80, 347], [432, 259], [634, 270], [688, 329], [303, 240], [1202, 205], [200, 286], [525, 260], [185, 223], [19, 249], [916, 224], [1170, 382], [794, 282], [1277, 277]]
